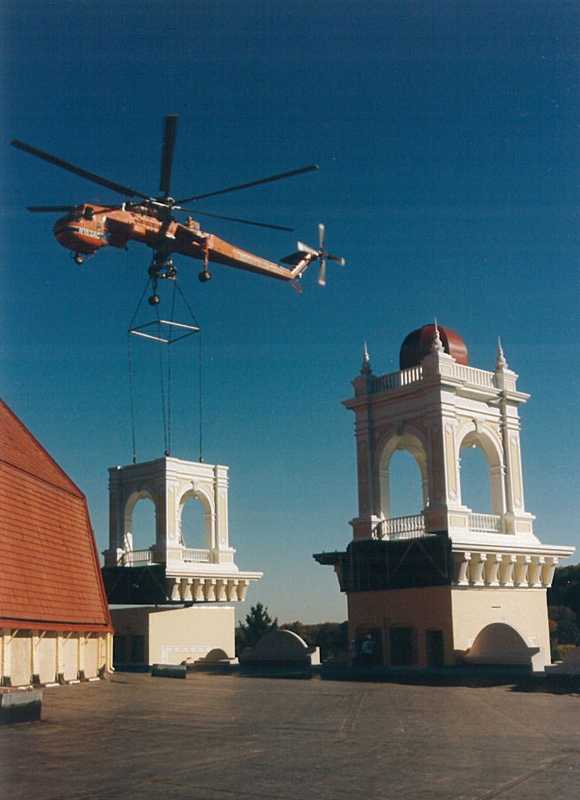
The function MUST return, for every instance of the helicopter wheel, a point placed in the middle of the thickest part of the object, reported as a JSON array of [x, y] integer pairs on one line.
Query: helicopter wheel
[[204, 276], [79, 258]]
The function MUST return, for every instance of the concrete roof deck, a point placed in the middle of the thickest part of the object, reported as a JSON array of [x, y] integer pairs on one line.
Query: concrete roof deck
[[220, 737]]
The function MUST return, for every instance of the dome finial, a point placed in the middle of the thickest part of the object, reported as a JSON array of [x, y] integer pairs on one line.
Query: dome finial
[[366, 368], [500, 362], [436, 343]]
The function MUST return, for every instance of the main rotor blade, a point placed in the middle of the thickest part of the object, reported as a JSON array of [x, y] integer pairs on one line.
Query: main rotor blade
[[49, 208], [237, 219], [102, 208], [83, 173], [251, 183], [169, 134]]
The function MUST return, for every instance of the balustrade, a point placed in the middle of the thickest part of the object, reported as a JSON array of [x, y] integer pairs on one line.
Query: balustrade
[[142, 557], [405, 377], [485, 523], [134, 557], [401, 527], [196, 555]]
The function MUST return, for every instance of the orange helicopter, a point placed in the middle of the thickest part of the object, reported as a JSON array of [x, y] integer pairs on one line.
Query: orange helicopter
[[88, 227]]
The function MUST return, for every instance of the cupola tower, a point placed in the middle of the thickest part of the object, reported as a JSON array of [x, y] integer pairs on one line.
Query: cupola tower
[[447, 583]]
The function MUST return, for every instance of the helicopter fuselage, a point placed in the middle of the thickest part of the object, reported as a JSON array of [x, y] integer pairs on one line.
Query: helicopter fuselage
[[88, 228]]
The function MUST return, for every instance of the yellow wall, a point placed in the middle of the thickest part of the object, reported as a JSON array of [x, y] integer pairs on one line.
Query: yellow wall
[[46, 661], [179, 634], [20, 659], [525, 610], [24, 653], [461, 613], [422, 608], [90, 647]]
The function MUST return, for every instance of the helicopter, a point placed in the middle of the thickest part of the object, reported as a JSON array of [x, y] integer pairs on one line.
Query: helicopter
[[88, 227]]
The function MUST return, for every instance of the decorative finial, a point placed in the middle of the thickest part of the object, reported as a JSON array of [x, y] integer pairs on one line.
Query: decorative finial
[[500, 362], [366, 368], [436, 343]]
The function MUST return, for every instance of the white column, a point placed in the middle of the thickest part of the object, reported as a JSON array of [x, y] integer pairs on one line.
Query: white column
[[522, 568], [508, 563], [478, 569], [209, 589], [549, 568], [493, 568], [463, 571]]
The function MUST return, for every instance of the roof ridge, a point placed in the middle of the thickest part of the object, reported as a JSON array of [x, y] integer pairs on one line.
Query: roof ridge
[[77, 493], [42, 449]]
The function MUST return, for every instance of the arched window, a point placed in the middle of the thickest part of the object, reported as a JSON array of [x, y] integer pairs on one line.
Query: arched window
[[140, 527], [475, 480], [194, 532]]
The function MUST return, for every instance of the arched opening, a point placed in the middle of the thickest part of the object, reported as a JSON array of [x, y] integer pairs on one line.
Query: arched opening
[[403, 477], [499, 643], [481, 474], [475, 479], [193, 525], [140, 527], [406, 496]]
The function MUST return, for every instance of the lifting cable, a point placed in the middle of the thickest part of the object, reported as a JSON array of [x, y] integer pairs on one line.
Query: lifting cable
[[165, 403], [200, 371], [161, 381], [131, 370]]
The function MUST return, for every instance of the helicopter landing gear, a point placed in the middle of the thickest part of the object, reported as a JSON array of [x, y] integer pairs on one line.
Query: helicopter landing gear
[[205, 276], [161, 267], [78, 258]]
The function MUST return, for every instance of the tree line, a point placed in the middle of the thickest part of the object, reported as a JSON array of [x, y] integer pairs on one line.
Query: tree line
[[564, 611], [331, 637]]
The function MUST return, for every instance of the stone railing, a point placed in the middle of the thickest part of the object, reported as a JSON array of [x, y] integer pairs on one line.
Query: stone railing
[[485, 523], [133, 558], [196, 555], [405, 377], [401, 527], [478, 377], [414, 525], [394, 380]]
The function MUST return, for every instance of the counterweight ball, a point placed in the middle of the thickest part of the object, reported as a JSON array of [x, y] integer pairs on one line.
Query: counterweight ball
[[204, 276], [154, 300]]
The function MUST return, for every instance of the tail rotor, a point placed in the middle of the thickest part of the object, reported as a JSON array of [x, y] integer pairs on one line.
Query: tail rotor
[[308, 254]]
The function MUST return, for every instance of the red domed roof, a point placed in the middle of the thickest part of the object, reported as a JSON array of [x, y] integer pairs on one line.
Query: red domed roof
[[418, 343]]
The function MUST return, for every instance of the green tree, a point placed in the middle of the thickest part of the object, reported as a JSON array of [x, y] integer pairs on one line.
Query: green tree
[[565, 588], [331, 637], [564, 610], [564, 627], [258, 623]]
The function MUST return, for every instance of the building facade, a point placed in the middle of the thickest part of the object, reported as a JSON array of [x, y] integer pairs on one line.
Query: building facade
[[55, 625], [448, 584], [203, 583]]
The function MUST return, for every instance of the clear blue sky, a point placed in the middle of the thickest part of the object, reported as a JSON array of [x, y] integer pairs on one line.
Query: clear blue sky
[[447, 136]]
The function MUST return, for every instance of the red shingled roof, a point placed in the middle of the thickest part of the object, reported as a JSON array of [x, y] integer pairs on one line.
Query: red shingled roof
[[50, 577]]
